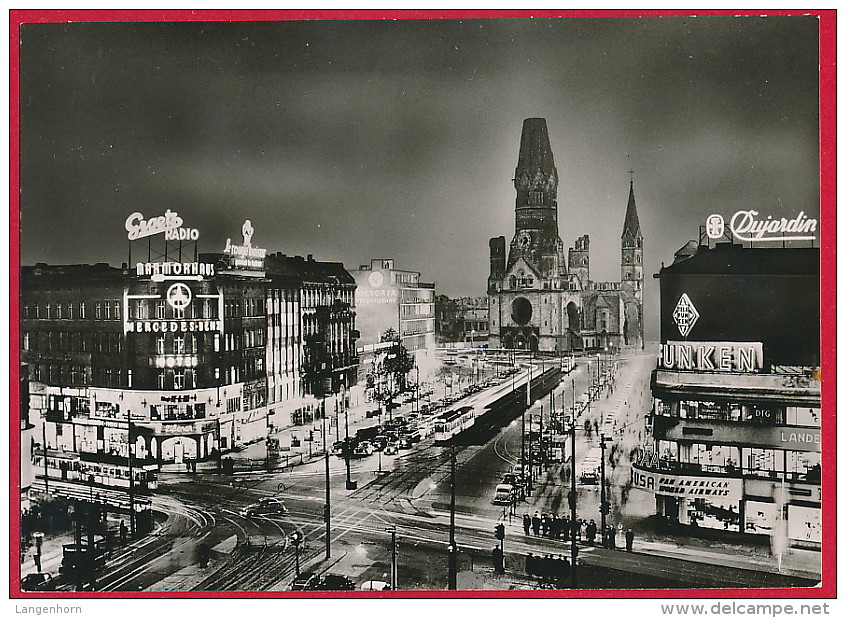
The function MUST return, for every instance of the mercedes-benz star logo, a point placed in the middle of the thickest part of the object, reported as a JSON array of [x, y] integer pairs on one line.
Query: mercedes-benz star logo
[[179, 296]]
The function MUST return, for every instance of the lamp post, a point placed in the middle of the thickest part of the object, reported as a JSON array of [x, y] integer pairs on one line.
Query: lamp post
[[130, 449], [572, 499], [347, 446], [603, 505], [453, 550], [326, 507]]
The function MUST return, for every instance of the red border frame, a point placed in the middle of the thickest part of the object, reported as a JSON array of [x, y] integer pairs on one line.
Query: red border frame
[[828, 239]]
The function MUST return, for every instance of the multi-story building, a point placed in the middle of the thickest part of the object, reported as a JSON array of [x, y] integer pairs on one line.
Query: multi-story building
[[735, 429], [461, 320], [180, 359], [322, 346], [537, 301], [389, 298]]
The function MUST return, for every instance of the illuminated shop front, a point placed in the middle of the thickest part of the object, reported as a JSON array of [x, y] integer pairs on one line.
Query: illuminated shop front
[[735, 429]]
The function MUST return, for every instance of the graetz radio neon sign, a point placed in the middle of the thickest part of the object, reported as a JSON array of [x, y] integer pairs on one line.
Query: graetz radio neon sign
[[745, 226], [169, 224]]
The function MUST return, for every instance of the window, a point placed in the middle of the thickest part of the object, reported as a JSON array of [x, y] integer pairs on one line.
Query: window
[[26, 341], [179, 379], [142, 310], [179, 344], [81, 311], [98, 311], [69, 313], [116, 312], [160, 344], [217, 342], [107, 310], [160, 380], [129, 378], [160, 309], [58, 311]]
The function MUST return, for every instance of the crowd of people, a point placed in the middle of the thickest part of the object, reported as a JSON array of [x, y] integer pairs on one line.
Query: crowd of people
[[554, 527]]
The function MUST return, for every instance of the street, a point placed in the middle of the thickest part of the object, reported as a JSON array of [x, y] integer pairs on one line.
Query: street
[[203, 540]]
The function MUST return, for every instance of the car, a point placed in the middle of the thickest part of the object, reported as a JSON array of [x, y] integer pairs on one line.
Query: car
[[390, 449], [336, 582], [509, 478], [375, 584], [306, 581], [38, 581], [265, 506]]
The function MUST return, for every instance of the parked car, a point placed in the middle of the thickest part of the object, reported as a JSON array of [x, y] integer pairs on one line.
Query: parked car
[[336, 582], [375, 584], [306, 581], [390, 448], [264, 507], [38, 581]]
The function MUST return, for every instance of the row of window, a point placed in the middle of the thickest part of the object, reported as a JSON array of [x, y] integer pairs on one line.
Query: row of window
[[721, 411], [103, 310], [63, 341], [745, 461]]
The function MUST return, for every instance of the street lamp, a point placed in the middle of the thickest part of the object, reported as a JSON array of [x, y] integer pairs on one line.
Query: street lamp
[[604, 506]]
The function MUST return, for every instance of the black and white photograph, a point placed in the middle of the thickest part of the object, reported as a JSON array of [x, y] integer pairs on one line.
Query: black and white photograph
[[451, 304]]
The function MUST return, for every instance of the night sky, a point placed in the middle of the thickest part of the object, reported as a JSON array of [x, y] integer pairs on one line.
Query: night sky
[[399, 139]]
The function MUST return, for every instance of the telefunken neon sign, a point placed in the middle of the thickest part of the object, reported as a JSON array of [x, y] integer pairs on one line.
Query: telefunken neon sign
[[746, 227], [169, 224]]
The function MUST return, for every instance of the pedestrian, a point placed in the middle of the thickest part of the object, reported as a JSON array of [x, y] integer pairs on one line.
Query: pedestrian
[[122, 533], [536, 524], [527, 523], [629, 540], [612, 537], [544, 525]]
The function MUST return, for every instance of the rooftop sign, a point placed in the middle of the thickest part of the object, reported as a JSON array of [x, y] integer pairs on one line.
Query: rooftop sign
[[169, 224], [746, 226]]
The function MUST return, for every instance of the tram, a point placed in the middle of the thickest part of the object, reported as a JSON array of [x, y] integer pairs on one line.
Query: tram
[[70, 467], [452, 422]]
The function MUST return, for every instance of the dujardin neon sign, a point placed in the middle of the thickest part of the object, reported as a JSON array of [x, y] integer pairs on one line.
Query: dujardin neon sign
[[747, 226], [169, 224]]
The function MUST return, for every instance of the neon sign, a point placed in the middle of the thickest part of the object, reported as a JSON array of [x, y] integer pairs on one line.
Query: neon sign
[[746, 227], [732, 357], [169, 224]]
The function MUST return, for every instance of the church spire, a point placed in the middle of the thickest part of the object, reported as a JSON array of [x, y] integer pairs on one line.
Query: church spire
[[535, 178], [631, 225]]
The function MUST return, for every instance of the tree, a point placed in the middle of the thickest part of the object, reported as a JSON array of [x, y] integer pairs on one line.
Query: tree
[[390, 368]]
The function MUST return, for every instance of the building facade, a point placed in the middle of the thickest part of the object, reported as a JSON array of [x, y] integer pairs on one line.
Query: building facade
[[461, 321], [179, 360], [735, 428], [541, 299], [389, 298]]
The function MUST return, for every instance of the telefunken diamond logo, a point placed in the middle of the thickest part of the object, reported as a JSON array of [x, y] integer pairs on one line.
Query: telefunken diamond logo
[[685, 315]]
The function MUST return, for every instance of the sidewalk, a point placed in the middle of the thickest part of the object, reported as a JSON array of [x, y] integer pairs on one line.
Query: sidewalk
[[620, 413], [52, 549]]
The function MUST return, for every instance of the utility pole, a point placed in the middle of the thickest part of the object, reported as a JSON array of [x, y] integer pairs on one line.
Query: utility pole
[[347, 445], [573, 549], [542, 451], [131, 475], [326, 507], [453, 550], [523, 455], [393, 531], [44, 449], [603, 507]]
